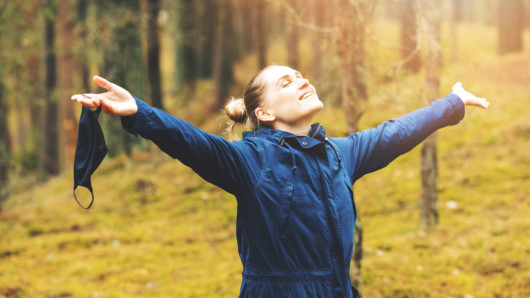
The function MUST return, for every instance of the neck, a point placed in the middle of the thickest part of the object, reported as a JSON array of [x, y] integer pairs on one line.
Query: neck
[[298, 129]]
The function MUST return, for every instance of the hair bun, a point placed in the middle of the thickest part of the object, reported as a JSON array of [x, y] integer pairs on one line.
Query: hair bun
[[235, 110]]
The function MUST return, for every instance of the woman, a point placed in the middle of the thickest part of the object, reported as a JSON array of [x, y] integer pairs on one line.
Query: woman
[[293, 184]]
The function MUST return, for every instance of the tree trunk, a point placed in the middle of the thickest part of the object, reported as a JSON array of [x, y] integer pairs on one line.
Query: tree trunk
[[429, 169], [36, 101], [206, 22], [247, 17], [186, 73], [456, 17], [153, 54], [317, 19], [409, 36], [127, 71], [218, 54], [510, 26], [429, 175], [82, 8], [293, 39], [350, 46], [527, 14], [292, 47], [5, 146], [261, 33], [351, 54], [224, 52], [66, 62], [49, 162]]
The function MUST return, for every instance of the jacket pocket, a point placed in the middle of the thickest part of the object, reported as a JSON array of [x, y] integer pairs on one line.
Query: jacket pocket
[[286, 204]]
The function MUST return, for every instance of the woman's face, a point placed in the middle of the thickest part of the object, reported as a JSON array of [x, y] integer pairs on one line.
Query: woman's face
[[289, 97]]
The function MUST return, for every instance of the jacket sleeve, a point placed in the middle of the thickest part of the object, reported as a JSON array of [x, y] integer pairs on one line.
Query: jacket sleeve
[[373, 149], [232, 166]]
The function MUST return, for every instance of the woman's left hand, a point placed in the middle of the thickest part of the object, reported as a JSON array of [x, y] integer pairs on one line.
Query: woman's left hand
[[468, 98]]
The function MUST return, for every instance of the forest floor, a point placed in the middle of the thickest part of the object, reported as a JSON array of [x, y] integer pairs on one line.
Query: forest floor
[[157, 230]]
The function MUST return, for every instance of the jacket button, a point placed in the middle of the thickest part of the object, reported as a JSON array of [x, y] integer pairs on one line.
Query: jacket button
[[326, 138], [304, 143]]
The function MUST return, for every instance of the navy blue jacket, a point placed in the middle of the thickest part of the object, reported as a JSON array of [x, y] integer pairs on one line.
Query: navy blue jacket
[[296, 213]]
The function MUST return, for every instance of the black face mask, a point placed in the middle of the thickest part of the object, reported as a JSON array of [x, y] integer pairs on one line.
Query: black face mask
[[90, 151]]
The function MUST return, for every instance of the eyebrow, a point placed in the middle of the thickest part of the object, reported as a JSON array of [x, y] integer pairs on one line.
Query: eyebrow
[[297, 73]]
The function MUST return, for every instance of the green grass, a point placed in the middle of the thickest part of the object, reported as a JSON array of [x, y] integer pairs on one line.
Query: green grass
[[157, 230]]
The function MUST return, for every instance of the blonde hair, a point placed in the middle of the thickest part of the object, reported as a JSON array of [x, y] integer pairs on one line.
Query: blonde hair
[[243, 110]]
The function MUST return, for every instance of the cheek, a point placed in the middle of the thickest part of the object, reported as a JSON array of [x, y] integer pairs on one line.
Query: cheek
[[281, 99]]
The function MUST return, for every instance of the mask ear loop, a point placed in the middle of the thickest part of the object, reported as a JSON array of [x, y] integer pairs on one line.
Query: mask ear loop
[[89, 205]]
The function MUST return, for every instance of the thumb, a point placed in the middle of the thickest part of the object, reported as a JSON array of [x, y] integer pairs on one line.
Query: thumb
[[103, 83]]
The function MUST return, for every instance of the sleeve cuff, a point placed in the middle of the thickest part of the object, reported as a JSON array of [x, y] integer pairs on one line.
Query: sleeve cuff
[[138, 123], [459, 107]]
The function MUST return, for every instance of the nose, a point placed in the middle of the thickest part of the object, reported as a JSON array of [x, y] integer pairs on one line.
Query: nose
[[304, 84]]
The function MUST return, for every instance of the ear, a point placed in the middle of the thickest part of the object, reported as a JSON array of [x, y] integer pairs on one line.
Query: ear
[[264, 115]]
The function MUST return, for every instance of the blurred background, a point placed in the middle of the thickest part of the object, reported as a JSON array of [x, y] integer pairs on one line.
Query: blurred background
[[448, 219]]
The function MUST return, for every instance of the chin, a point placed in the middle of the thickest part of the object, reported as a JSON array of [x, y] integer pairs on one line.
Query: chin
[[317, 104], [314, 107]]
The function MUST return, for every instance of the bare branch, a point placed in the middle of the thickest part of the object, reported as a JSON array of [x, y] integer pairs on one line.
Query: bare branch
[[300, 22]]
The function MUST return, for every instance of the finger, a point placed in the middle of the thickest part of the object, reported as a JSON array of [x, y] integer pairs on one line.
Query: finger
[[76, 96], [483, 103], [103, 83], [85, 95], [88, 103], [106, 107]]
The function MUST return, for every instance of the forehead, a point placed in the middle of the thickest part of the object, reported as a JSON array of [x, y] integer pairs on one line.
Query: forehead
[[274, 73]]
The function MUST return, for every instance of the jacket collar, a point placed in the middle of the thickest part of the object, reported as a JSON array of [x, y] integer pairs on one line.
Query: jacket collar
[[317, 134]]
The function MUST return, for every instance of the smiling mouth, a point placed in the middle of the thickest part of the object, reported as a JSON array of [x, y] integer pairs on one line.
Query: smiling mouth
[[306, 96]]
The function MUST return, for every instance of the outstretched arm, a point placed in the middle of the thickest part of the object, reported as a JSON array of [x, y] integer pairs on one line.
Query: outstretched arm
[[231, 166], [373, 149]]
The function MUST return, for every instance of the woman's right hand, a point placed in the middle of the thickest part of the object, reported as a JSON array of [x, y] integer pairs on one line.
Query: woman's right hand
[[468, 98], [116, 101]]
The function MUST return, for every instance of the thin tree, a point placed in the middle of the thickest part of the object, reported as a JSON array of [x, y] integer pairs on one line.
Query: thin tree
[[351, 22], [317, 17], [352, 18], [247, 16], [527, 14], [187, 60], [122, 63], [429, 165], [5, 146], [219, 49], [67, 117], [224, 52], [82, 52], [261, 32], [510, 26], [456, 18], [205, 22], [293, 36], [409, 35], [153, 53], [49, 161], [33, 91]]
